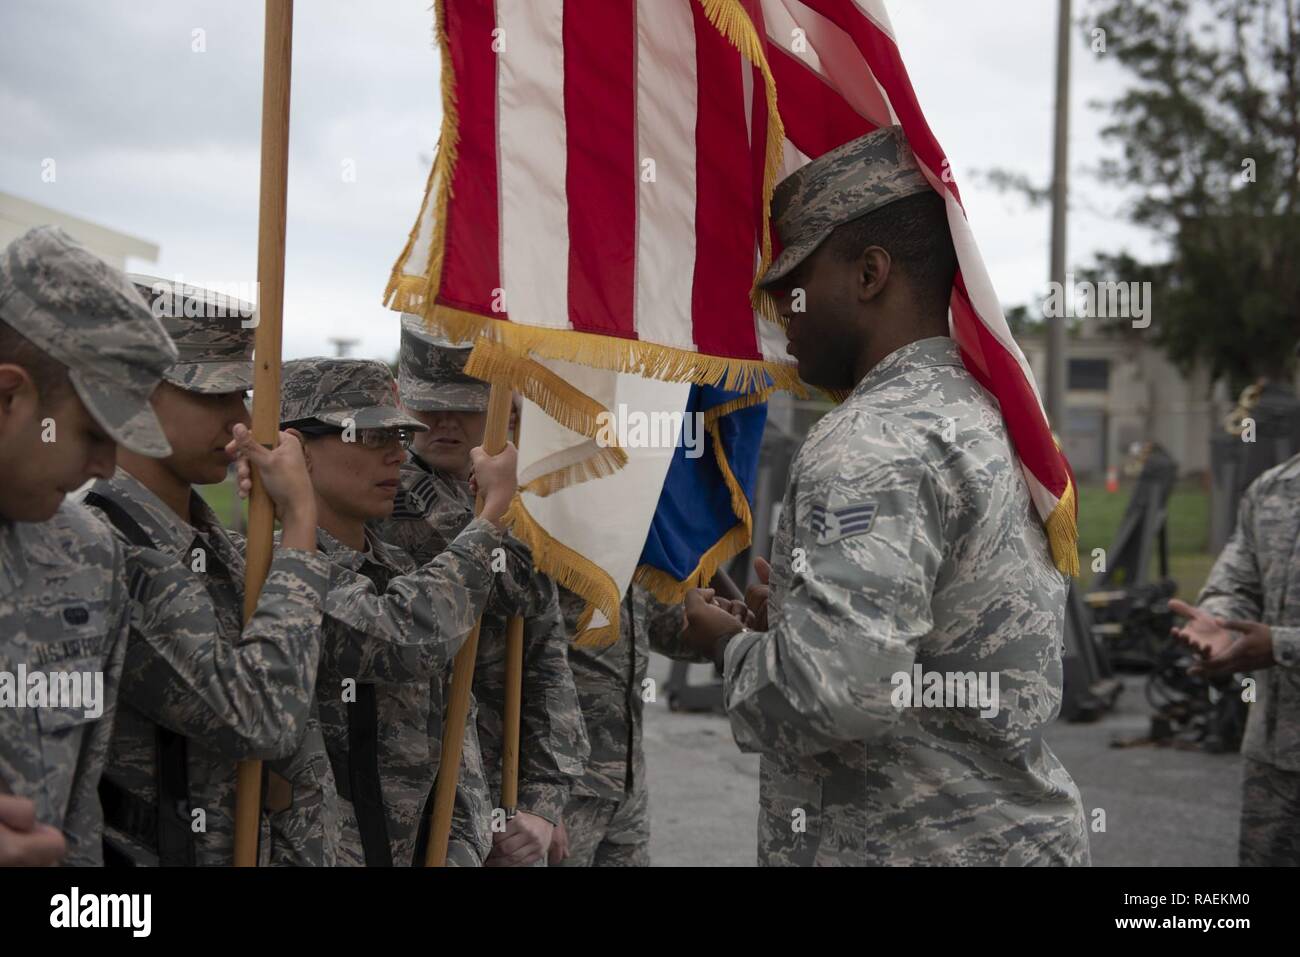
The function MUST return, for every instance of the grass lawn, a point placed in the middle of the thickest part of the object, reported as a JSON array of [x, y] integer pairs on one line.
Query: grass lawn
[[1189, 529], [223, 500]]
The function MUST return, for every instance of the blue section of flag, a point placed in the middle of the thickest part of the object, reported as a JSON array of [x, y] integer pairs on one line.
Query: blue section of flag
[[694, 511]]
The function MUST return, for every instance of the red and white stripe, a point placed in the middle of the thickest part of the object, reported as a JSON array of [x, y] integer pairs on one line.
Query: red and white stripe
[[548, 201]]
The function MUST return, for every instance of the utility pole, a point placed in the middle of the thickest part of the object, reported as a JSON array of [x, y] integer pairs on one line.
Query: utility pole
[[1060, 167]]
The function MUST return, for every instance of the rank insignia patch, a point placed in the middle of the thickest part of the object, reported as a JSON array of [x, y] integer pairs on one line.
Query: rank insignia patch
[[832, 524]]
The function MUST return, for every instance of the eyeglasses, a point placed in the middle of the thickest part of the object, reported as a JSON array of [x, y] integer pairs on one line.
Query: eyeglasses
[[366, 438]]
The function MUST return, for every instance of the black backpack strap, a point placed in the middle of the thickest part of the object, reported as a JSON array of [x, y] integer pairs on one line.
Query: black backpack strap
[[121, 519], [171, 833], [127, 814], [422, 835], [175, 837], [365, 791]]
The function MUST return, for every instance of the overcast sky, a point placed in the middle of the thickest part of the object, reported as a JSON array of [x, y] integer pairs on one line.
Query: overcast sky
[[154, 139]]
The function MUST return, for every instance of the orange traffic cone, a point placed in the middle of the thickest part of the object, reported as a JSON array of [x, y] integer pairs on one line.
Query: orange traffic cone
[[1112, 479]]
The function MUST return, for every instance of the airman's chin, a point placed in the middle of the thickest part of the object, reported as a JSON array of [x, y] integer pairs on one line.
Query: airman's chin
[[209, 475], [379, 511], [38, 508]]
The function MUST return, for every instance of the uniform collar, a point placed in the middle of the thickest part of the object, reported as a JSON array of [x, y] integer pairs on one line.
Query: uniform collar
[[921, 354], [169, 533], [377, 552]]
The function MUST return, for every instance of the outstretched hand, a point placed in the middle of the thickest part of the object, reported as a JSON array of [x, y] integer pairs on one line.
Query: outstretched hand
[[1223, 646]]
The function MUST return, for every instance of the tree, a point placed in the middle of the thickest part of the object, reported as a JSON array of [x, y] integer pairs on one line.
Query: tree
[[1210, 136]]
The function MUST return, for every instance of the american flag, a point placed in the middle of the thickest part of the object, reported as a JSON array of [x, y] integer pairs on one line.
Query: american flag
[[603, 180]]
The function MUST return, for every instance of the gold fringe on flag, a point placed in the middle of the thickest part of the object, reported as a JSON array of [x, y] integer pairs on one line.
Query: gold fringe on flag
[[604, 462], [573, 571], [1063, 533], [634, 356], [439, 185], [570, 407]]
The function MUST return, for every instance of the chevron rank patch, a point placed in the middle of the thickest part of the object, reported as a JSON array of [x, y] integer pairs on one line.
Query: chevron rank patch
[[832, 524]]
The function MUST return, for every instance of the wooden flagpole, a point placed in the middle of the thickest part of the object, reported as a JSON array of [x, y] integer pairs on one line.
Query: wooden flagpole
[[276, 59], [462, 679]]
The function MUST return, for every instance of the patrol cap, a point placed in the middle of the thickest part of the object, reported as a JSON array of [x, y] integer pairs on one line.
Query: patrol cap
[[431, 372], [82, 312], [850, 181], [340, 392], [216, 350]]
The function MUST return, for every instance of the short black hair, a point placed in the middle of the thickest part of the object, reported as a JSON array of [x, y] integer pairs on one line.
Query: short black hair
[[49, 375], [914, 231]]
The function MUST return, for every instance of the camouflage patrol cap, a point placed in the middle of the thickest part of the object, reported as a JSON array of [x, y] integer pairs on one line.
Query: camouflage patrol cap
[[340, 392], [216, 350], [82, 312], [431, 373], [851, 180]]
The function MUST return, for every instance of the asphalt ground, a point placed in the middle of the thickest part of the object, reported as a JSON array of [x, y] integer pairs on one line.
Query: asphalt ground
[[1163, 806]]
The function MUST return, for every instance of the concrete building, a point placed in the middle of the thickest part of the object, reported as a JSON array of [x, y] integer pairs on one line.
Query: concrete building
[[18, 215], [1120, 391]]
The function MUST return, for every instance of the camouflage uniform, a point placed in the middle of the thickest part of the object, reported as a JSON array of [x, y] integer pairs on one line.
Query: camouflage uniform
[[388, 627], [607, 818], [201, 688], [391, 631], [63, 608], [1257, 578], [431, 510], [63, 602], [205, 690], [906, 540]]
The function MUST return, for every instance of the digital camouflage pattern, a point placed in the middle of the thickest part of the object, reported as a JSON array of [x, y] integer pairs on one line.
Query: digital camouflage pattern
[[396, 625], [608, 815], [63, 608], [81, 311], [1270, 816], [431, 510], [848, 182], [951, 572], [234, 691], [430, 373], [1257, 578], [213, 334], [342, 392], [605, 833]]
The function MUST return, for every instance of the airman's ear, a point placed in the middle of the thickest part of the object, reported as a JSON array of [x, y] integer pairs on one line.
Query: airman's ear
[[17, 389], [874, 267]]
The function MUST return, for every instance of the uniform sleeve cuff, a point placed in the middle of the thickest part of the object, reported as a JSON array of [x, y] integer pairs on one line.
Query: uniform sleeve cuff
[[544, 800], [1286, 646]]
